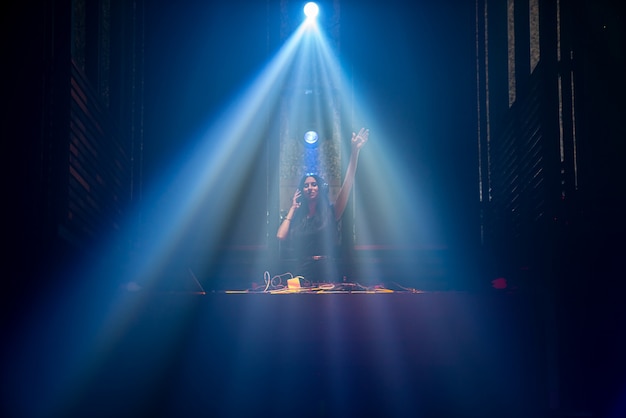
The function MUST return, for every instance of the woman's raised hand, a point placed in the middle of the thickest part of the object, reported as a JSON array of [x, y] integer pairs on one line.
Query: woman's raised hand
[[358, 140]]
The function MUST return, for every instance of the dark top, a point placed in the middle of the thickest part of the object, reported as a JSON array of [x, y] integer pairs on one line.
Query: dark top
[[315, 236]]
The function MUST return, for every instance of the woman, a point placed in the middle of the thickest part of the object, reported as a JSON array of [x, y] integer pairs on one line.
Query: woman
[[310, 226]]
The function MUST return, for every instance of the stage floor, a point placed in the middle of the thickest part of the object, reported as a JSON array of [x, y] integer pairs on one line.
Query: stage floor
[[331, 353]]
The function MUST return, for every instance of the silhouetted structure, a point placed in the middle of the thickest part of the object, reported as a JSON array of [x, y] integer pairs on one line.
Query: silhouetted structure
[[551, 139], [74, 127]]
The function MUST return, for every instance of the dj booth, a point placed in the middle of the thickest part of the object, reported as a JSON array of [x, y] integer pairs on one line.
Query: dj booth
[[325, 352]]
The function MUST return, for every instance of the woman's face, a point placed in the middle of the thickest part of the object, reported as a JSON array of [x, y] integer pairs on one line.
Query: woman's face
[[310, 189]]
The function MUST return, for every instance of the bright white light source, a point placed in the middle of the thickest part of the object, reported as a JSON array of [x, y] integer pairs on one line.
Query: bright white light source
[[311, 10], [311, 137]]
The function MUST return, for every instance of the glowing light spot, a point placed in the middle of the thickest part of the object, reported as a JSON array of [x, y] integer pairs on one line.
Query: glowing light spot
[[311, 10], [311, 137]]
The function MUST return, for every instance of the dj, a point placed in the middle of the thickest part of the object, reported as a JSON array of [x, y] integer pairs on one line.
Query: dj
[[310, 227]]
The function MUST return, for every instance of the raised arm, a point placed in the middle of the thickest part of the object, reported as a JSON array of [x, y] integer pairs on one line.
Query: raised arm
[[358, 140]]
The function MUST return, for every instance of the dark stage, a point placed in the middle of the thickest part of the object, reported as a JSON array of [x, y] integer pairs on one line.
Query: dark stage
[[329, 354]]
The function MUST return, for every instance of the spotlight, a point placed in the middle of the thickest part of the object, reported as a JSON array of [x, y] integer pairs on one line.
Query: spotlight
[[311, 138], [311, 10]]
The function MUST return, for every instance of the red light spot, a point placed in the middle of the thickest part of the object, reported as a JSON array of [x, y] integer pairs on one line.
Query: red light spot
[[499, 283]]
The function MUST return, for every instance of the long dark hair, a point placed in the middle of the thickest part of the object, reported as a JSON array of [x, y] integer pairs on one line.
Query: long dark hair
[[317, 235], [323, 205]]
